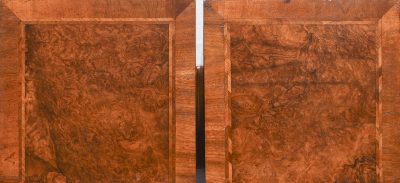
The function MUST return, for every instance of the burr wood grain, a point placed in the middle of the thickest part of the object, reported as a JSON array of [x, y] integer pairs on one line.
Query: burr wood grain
[[303, 103], [97, 103]]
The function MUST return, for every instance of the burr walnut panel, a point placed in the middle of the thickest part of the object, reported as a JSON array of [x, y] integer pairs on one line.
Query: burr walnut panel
[[303, 103], [97, 103]]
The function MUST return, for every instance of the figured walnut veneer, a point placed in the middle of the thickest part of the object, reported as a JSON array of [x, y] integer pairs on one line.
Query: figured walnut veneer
[[97, 102], [303, 103]]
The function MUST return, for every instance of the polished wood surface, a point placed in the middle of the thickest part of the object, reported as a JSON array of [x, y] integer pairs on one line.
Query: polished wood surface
[[304, 91], [324, 45], [10, 95], [302, 94], [303, 9], [109, 91], [97, 92], [185, 81], [390, 98], [31, 10], [214, 95], [28, 10]]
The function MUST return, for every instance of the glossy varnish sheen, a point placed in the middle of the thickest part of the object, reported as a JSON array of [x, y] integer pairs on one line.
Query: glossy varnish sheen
[[390, 97], [303, 103], [310, 90], [10, 95], [131, 63], [97, 103]]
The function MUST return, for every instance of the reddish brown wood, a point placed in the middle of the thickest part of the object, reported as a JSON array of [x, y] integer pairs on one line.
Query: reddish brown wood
[[336, 13], [228, 105], [181, 5], [158, 72], [171, 101], [348, 45], [303, 103], [28, 10], [303, 9], [10, 96], [390, 88], [97, 92], [214, 95], [185, 95]]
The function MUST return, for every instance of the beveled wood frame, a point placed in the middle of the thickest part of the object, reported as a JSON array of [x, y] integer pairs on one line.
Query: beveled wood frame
[[178, 14], [219, 14]]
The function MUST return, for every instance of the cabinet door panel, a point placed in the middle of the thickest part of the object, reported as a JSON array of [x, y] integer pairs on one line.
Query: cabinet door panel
[[97, 92], [303, 96], [89, 93]]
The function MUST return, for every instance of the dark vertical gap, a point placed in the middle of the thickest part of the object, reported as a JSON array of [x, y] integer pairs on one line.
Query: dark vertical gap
[[200, 127]]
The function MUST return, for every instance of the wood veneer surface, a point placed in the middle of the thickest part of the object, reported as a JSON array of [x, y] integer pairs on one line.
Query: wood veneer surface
[[97, 103], [214, 95], [28, 10], [10, 95], [390, 98], [343, 10], [185, 91], [303, 103]]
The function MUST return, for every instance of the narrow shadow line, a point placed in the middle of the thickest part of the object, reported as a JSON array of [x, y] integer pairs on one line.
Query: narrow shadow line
[[200, 126]]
